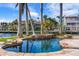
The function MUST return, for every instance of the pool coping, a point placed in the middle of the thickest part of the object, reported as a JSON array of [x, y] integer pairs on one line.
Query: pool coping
[[63, 52], [4, 52], [11, 53]]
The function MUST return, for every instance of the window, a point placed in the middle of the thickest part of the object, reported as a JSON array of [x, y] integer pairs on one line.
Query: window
[[73, 28], [71, 23], [67, 28]]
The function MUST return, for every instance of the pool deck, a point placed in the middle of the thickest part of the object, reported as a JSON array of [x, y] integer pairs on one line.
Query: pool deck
[[64, 52]]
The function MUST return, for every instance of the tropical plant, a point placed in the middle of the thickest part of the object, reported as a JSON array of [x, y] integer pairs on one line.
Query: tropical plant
[[50, 24], [45, 17]]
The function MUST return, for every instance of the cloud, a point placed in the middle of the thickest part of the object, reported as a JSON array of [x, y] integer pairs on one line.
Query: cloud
[[11, 5], [8, 5], [54, 6], [5, 20], [67, 6], [34, 14], [68, 9], [52, 9], [70, 12]]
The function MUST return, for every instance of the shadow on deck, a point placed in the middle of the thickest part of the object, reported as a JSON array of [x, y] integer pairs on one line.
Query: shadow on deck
[[15, 43]]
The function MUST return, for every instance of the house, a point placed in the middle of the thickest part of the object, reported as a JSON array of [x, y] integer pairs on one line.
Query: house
[[71, 23]]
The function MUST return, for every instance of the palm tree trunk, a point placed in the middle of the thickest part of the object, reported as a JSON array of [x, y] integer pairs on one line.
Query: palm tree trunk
[[19, 34], [26, 22], [61, 14], [31, 22], [41, 18]]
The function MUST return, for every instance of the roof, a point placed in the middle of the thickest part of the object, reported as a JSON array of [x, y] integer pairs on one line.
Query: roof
[[71, 16]]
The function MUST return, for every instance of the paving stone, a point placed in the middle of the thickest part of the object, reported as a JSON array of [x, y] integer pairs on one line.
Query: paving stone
[[63, 52]]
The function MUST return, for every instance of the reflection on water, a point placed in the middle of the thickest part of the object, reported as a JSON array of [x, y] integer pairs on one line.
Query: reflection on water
[[6, 35], [38, 46], [20, 48], [45, 45]]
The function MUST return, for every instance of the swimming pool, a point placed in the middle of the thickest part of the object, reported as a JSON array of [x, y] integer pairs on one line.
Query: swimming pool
[[37, 46]]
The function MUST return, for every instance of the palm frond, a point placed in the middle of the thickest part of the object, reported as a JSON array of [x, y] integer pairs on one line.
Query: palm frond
[[16, 5]]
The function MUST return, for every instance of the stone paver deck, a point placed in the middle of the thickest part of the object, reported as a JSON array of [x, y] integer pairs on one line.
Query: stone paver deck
[[63, 52], [70, 43]]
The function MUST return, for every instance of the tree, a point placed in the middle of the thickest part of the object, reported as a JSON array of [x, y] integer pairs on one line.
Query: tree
[[26, 22], [61, 14], [50, 24], [27, 14], [41, 9], [21, 7], [31, 21], [14, 25], [45, 16]]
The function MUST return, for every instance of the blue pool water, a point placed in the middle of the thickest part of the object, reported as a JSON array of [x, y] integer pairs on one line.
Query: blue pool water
[[38, 46]]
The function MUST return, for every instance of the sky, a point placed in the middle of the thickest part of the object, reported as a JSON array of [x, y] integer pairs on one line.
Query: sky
[[8, 12]]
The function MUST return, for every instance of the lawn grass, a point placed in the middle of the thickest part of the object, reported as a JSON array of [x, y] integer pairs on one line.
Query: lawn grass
[[10, 38], [5, 39]]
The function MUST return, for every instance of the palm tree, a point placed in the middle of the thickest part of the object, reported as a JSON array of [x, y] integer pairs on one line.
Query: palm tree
[[31, 21], [50, 24], [19, 21], [45, 17], [21, 6], [26, 22], [41, 8], [61, 14]]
